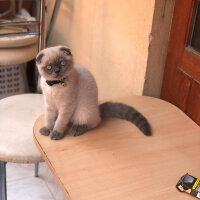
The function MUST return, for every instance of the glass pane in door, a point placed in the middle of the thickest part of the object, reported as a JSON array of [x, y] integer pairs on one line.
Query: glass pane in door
[[194, 41]]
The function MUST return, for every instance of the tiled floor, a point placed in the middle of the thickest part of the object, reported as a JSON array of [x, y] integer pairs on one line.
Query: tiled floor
[[22, 185]]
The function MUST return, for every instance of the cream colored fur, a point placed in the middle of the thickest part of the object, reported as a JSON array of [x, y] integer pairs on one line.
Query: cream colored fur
[[77, 102]]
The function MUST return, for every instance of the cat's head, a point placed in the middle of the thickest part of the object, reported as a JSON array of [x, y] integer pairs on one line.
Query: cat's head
[[54, 63]]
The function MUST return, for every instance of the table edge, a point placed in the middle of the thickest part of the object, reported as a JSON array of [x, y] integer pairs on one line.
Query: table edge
[[50, 165]]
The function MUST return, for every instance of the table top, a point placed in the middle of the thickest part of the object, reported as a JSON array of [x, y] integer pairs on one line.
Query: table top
[[116, 161]]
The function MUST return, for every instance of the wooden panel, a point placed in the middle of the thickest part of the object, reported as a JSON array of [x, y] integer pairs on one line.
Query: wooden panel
[[177, 89], [179, 30], [27, 5], [191, 63], [116, 161], [4, 5], [194, 102]]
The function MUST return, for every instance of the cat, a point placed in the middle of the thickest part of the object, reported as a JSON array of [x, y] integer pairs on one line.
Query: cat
[[71, 97]]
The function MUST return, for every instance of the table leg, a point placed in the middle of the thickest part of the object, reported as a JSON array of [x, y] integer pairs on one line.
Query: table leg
[[3, 190], [52, 21], [36, 169]]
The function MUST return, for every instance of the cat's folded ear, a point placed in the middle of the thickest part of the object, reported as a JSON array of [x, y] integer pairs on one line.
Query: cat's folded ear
[[39, 58], [66, 50]]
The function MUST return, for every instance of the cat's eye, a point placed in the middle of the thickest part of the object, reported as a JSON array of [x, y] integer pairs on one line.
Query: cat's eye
[[63, 63], [49, 67]]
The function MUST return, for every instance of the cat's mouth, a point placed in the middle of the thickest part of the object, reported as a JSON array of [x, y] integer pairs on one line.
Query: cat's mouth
[[57, 76]]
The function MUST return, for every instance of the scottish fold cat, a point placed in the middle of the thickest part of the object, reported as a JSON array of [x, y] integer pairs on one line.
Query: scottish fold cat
[[71, 97]]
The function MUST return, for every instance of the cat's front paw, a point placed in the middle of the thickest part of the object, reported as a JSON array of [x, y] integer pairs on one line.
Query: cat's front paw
[[55, 135], [44, 131]]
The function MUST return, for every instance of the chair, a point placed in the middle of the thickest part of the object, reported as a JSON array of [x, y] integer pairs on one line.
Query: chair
[[18, 113]]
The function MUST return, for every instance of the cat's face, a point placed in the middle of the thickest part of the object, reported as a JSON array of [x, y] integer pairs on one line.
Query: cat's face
[[54, 63]]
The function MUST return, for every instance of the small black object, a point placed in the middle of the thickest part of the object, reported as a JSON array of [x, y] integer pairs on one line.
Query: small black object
[[190, 185]]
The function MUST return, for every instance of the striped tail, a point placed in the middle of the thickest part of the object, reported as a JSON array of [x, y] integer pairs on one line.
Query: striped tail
[[123, 111]]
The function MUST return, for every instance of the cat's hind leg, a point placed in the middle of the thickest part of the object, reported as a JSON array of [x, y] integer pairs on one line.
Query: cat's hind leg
[[78, 129], [84, 120]]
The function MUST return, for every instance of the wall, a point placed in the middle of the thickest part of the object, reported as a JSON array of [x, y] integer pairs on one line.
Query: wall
[[109, 37]]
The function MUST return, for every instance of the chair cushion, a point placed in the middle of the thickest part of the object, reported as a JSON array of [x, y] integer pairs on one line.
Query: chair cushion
[[18, 41], [17, 116], [18, 55]]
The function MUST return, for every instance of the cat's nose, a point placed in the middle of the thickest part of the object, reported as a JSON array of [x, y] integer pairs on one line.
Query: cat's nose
[[57, 70]]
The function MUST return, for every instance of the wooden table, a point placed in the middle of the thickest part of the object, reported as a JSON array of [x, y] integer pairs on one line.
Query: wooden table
[[116, 161]]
